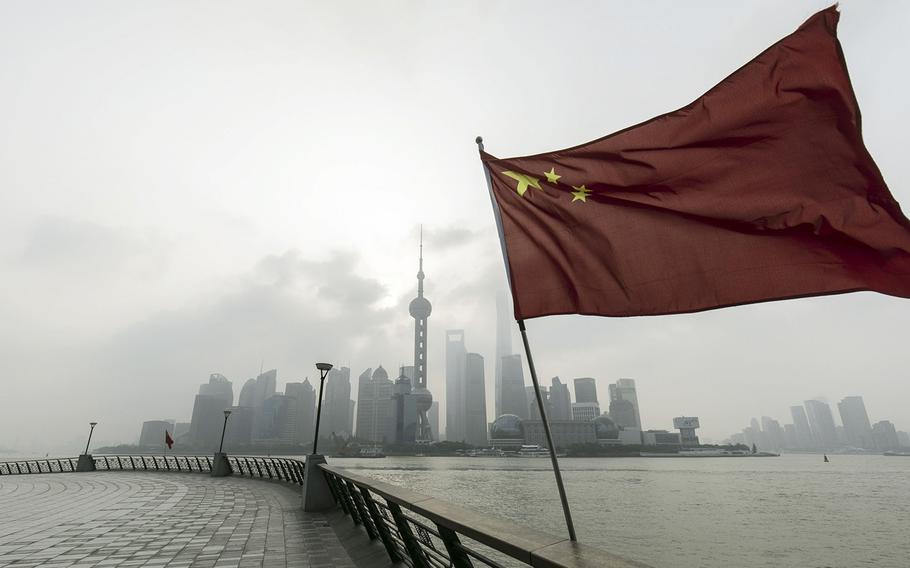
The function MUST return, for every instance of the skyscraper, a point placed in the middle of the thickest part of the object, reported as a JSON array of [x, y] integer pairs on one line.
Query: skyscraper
[[503, 346], [455, 361], [560, 401], [434, 418], [303, 398], [374, 406], [624, 389], [822, 423], [857, 428], [533, 407], [475, 401], [420, 310], [404, 414], [585, 390], [513, 393], [336, 407], [208, 411], [885, 435], [803, 432]]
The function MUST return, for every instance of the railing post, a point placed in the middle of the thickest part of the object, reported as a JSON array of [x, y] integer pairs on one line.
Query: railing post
[[381, 527], [457, 555], [338, 495], [362, 511], [411, 544]]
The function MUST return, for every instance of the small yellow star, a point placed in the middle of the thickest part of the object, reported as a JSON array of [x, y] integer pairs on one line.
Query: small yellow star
[[580, 194], [523, 181], [551, 176]]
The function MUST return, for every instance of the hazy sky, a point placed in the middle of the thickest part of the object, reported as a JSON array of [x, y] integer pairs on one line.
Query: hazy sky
[[196, 187]]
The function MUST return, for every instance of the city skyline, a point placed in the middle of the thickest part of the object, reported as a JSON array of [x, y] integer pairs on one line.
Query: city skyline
[[165, 220]]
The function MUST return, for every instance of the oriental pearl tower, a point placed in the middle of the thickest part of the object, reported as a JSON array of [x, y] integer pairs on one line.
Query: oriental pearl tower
[[420, 309]]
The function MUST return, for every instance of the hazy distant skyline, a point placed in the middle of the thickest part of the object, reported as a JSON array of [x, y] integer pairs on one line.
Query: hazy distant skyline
[[196, 188]]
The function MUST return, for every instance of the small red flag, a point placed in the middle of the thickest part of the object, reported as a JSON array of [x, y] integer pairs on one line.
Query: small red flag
[[759, 190], [168, 440]]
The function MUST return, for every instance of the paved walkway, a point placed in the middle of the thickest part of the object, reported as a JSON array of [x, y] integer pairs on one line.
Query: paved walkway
[[159, 519]]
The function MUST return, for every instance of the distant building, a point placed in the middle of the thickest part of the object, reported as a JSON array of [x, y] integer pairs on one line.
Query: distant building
[[687, 426], [585, 390], [885, 435], [772, 434], [903, 439], [513, 395], [857, 429], [475, 405], [181, 429], [208, 411], [434, 416], [276, 421], [533, 406], [239, 429], [623, 412], [336, 407], [507, 431], [152, 433], [503, 347], [565, 433], [374, 406], [403, 429], [303, 398], [455, 388], [585, 411], [560, 401], [660, 438], [822, 423], [624, 389], [804, 438]]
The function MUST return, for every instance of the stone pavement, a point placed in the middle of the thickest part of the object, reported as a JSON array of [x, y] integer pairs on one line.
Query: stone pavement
[[159, 519]]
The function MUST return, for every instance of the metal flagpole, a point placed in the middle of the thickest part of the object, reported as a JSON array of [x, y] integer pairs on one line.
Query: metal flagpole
[[524, 338]]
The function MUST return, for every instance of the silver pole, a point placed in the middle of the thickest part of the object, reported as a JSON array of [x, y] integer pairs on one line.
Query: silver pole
[[546, 428]]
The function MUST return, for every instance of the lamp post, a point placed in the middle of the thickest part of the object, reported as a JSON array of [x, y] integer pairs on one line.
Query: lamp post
[[92, 429], [324, 369], [223, 428]]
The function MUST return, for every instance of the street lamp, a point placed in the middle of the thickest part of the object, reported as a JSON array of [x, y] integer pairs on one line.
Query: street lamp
[[324, 369], [223, 428], [92, 424]]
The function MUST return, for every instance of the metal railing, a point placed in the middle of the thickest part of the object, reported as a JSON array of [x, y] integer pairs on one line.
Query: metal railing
[[424, 532], [55, 465], [279, 469]]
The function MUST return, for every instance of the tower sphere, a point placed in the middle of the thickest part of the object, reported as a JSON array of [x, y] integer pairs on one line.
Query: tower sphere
[[420, 308]]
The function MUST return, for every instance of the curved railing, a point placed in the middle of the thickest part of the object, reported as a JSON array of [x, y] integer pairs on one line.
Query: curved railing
[[423, 532], [280, 469], [55, 465]]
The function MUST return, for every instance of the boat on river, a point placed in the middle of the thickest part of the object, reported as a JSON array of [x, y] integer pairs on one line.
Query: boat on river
[[708, 453]]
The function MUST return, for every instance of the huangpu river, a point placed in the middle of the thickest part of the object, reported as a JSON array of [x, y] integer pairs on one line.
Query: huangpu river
[[789, 511]]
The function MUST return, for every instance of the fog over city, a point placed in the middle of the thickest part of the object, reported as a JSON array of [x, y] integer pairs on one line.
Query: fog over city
[[196, 188]]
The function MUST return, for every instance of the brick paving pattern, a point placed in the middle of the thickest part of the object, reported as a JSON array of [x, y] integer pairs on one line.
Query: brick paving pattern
[[159, 519]]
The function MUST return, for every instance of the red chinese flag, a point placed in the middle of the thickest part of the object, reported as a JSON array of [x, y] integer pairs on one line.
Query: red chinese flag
[[168, 440], [759, 190]]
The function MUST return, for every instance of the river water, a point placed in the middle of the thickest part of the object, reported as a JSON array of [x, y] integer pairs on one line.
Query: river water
[[790, 511]]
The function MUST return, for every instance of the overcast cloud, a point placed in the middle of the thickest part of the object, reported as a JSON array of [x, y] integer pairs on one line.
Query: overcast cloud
[[203, 187]]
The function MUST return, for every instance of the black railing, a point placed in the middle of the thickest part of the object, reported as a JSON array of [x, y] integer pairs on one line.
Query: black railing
[[424, 532], [279, 469], [55, 465]]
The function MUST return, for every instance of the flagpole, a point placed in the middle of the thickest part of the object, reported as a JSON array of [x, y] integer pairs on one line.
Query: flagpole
[[524, 338]]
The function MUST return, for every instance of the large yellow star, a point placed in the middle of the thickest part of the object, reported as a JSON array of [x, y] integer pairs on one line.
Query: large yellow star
[[580, 194], [523, 181], [551, 175]]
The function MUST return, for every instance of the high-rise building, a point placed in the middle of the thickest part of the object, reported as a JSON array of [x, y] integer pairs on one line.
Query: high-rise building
[[374, 406], [404, 419], [336, 407], [208, 411], [885, 435], [585, 390], [687, 426], [903, 439], [303, 398], [455, 388], [475, 401], [624, 389], [262, 390], [533, 406], [247, 396], [513, 395], [434, 417], [276, 421], [772, 434], [238, 431], [623, 413], [152, 433], [560, 401], [503, 346], [803, 432], [587, 411], [822, 423], [857, 429], [420, 310]]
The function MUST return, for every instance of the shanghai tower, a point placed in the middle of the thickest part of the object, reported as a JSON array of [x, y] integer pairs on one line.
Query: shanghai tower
[[420, 309]]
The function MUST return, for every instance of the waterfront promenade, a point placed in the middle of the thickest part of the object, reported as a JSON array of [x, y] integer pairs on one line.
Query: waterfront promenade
[[160, 519]]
